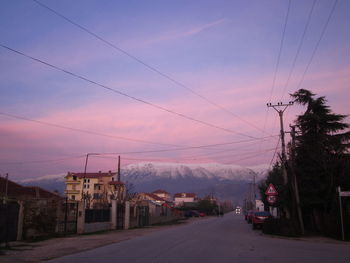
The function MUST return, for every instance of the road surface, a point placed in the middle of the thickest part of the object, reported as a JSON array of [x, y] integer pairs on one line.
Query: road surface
[[224, 239]]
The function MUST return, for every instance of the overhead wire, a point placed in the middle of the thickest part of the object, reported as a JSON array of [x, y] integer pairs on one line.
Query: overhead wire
[[84, 131], [180, 147], [43, 161], [280, 51], [296, 58], [125, 94], [274, 154], [299, 48], [277, 65], [147, 65], [318, 43]]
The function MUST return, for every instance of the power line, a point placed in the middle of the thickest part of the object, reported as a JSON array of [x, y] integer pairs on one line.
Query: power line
[[44, 161], [252, 156], [274, 154], [152, 68], [280, 51], [173, 149], [84, 131], [299, 47], [103, 155], [318, 43], [129, 139], [125, 94], [277, 63]]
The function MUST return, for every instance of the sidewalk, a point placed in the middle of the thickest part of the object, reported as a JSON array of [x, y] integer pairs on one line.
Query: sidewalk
[[28, 252]]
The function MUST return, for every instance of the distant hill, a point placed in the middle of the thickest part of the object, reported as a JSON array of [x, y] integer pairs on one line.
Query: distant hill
[[228, 182]]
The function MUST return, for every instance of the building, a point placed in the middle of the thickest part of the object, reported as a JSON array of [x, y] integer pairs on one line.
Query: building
[[94, 188], [162, 194], [182, 198], [150, 197], [12, 190]]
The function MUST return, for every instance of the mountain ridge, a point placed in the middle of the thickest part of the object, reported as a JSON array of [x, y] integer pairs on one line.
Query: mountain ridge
[[225, 181]]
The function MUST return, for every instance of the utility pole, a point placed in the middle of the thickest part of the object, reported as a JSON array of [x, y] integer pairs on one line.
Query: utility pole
[[118, 168], [280, 112], [295, 181]]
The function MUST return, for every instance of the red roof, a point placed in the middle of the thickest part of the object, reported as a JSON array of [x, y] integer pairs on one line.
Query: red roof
[[185, 195], [15, 190], [153, 197], [91, 175], [116, 183], [160, 191]]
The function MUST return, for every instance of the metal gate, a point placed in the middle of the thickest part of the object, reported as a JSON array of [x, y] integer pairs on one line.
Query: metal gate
[[8, 221], [120, 216], [67, 221], [143, 216]]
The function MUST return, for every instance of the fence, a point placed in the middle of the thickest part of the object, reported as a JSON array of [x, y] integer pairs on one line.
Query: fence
[[97, 215]]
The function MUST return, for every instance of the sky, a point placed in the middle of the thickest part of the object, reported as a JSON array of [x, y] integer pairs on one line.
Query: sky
[[167, 81]]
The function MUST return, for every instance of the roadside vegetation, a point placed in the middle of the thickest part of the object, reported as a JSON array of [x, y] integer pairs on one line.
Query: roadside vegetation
[[319, 160]]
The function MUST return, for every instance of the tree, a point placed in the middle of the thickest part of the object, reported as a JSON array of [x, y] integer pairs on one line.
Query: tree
[[321, 155]]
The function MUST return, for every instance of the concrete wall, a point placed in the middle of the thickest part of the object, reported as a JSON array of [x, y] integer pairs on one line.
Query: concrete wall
[[95, 227]]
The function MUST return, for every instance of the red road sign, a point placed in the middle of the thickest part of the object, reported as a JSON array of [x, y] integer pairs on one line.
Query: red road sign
[[271, 190], [271, 199]]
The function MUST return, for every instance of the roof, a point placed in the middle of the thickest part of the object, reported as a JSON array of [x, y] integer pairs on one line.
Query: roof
[[179, 195], [153, 197], [18, 191], [91, 175], [160, 191], [116, 183]]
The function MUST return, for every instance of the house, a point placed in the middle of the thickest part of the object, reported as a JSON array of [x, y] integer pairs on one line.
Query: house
[[150, 197], [162, 194], [12, 190], [182, 198], [94, 188]]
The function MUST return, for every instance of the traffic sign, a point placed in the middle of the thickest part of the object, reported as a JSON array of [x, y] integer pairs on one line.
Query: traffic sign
[[271, 190], [271, 199]]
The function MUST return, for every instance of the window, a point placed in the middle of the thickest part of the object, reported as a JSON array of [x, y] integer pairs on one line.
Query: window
[[88, 180], [88, 186], [73, 197], [84, 180], [97, 196], [84, 185], [74, 178]]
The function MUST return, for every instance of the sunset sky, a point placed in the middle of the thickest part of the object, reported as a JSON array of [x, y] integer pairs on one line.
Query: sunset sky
[[172, 75]]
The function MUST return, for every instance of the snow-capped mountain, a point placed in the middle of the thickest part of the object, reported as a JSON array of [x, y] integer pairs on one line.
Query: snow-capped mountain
[[150, 171], [225, 181]]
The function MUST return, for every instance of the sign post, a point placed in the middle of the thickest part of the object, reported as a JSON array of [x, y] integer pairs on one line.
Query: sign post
[[271, 193], [341, 210]]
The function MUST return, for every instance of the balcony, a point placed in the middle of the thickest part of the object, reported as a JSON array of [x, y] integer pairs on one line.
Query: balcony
[[72, 182], [72, 191]]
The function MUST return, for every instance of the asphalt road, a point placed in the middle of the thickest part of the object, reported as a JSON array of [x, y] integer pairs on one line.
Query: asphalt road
[[224, 239]]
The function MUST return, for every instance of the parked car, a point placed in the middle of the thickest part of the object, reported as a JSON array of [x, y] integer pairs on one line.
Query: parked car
[[191, 213], [249, 216], [258, 218], [201, 214]]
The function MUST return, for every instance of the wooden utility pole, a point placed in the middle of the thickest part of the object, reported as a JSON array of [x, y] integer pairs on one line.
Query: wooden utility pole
[[295, 181], [283, 144]]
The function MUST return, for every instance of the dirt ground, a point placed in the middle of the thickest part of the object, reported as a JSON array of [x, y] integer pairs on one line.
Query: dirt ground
[[57, 247]]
